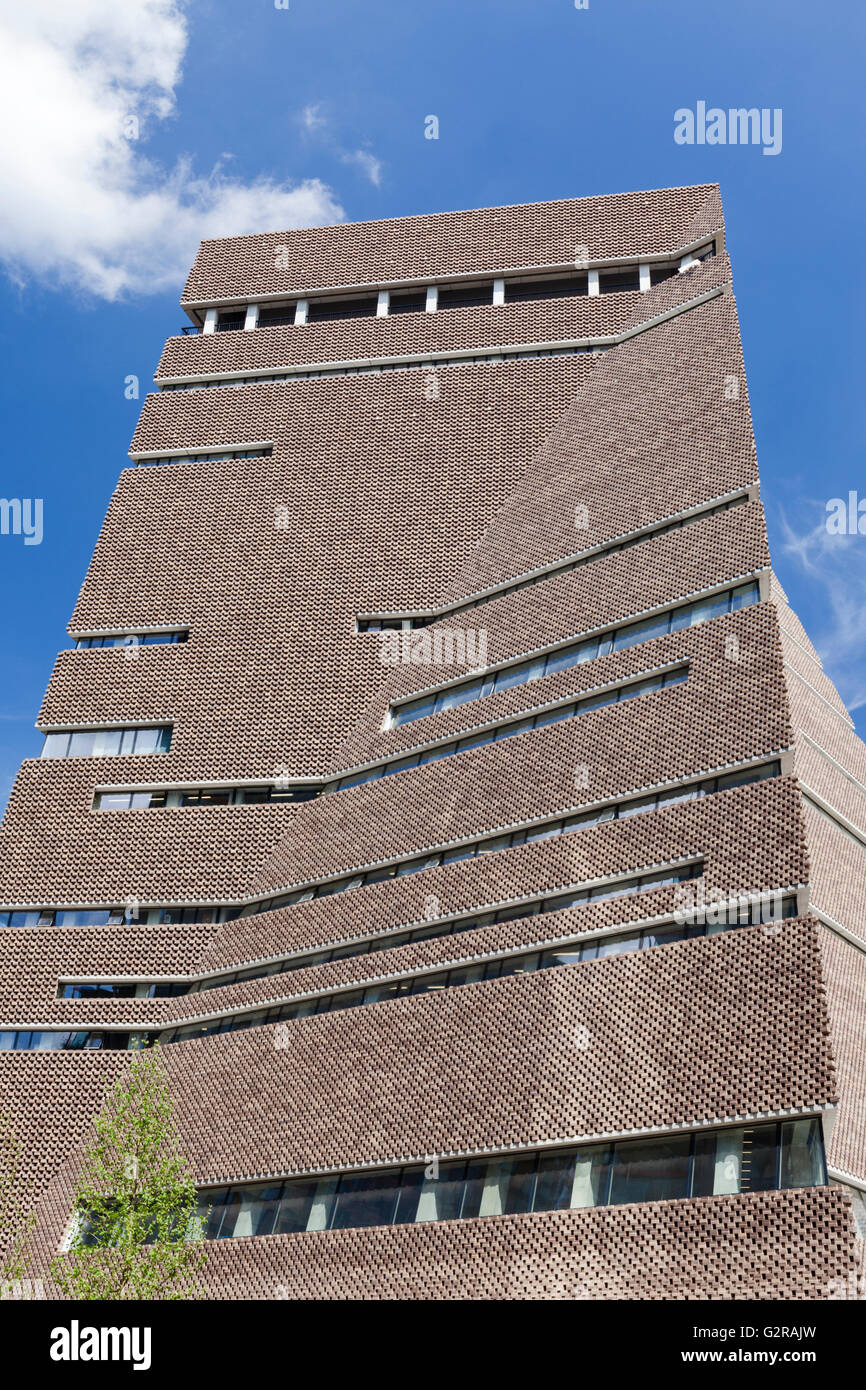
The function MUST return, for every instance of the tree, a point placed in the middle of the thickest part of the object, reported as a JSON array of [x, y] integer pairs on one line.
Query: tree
[[16, 1221], [138, 1232]]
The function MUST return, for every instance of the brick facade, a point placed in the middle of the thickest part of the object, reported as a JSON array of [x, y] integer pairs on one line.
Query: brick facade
[[384, 496]]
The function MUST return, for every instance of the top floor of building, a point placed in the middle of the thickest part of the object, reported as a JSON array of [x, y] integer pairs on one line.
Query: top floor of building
[[430, 262]]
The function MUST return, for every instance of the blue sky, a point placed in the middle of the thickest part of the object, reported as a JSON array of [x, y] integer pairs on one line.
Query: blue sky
[[255, 115]]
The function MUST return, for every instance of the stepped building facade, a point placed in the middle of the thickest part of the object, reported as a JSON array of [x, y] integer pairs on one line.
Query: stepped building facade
[[437, 770]]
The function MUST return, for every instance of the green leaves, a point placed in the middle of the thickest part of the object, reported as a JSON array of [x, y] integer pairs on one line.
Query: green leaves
[[138, 1232]]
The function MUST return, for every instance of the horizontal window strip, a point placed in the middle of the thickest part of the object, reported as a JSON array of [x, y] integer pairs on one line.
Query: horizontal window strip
[[763, 908], [107, 743], [497, 839], [133, 639], [556, 901], [521, 282], [705, 920], [754, 1158], [564, 658], [204, 456], [410, 364], [407, 622], [507, 728], [766, 1156], [435, 359], [542, 831], [160, 798]]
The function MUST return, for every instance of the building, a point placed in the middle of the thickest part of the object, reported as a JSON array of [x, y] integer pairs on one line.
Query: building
[[439, 772]]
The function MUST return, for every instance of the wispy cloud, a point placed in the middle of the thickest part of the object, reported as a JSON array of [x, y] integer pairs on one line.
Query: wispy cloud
[[312, 118], [81, 85], [315, 121], [367, 162], [836, 567]]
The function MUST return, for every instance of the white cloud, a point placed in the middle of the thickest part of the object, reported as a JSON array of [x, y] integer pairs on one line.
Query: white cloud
[[836, 568], [314, 121], [370, 165], [312, 118], [82, 204]]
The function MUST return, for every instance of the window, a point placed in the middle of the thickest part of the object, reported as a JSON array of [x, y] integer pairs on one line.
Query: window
[[128, 801], [106, 743], [546, 829], [508, 728], [499, 967], [275, 315], [643, 1170], [465, 296], [563, 658], [133, 639], [661, 272], [618, 281], [323, 310], [552, 287], [230, 320], [205, 456], [407, 302], [409, 364], [55, 1040], [652, 1170]]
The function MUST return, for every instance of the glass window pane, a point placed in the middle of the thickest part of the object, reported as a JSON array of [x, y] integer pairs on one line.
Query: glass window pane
[[513, 675], [562, 955], [642, 632], [430, 984], [257, 1209], [674, 796], [453, 856], [709, 608], [477, 740], [460, 695], [418, 709], [441, 1193], [543, 832], [518, 727], [802, 1154], [619, 945], [292, 1207], [554, 716], [651, 1170], [55, 746], [745, 594], [408, 1196], [760, 1154], [597, 701], [374, 994], [466, 974], [84, 742], [718, 1163], [574, 1180], [575, 899], [498, 842], [634, 808], [147, 740], [322, 1205], [554, 1182], [567, 657], [662, 936], [521, 965], [214, 1204], [365, 1199]]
